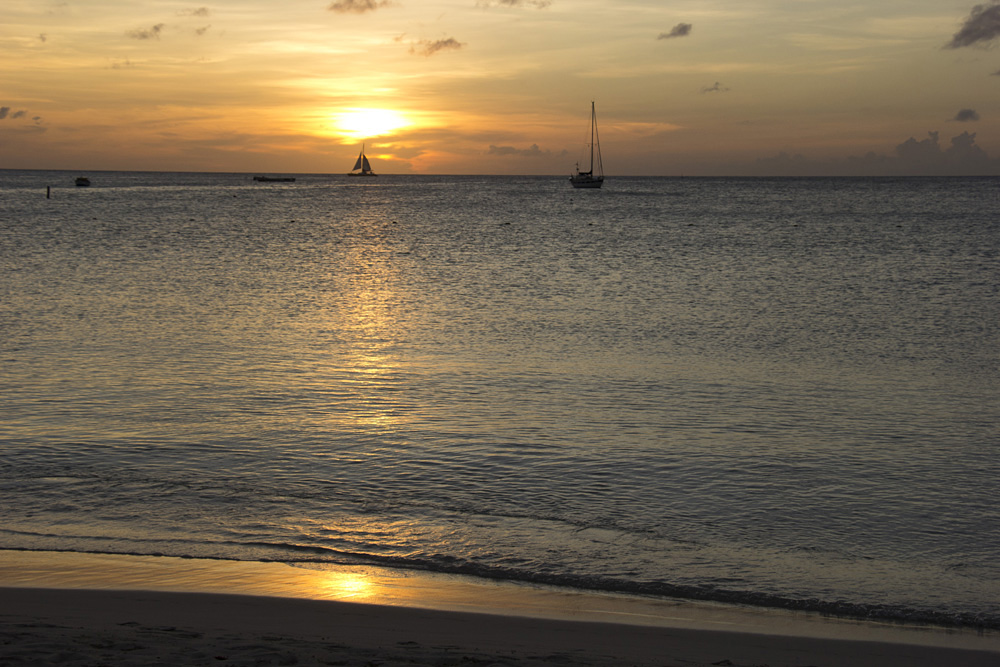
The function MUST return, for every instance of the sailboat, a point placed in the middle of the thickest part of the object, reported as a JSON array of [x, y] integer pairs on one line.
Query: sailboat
[[362, 164], [588, 179]]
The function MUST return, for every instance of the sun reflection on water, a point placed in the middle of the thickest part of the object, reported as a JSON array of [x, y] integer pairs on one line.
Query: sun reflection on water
[[347, 585], [368, 374]]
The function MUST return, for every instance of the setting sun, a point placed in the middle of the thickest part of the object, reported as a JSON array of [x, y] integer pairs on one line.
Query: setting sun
[[365, 123]]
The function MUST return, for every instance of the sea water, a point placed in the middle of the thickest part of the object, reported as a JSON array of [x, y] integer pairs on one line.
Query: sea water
[[775, 392]]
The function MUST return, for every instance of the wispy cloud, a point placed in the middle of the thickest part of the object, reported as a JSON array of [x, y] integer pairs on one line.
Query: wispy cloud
[[426, 47], [715, 88], [966, 115], [539, 4], [144, 33], [357, 6], [201, 11], [981, 26], [679, 30], [42, 36], [533, 151]]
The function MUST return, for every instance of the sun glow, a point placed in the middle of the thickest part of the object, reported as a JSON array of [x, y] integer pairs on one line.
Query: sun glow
[[349, 586], [367, 123]]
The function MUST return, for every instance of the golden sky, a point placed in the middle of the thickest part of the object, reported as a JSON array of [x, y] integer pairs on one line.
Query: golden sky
[[501, 86]]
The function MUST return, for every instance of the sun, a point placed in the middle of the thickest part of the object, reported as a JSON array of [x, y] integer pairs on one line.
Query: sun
[[366, 123]]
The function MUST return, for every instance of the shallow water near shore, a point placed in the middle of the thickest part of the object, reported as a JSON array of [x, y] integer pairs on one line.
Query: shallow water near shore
[[774, 392]]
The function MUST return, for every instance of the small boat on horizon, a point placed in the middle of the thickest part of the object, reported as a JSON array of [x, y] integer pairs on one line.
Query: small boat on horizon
[[362, 166], [274, 179], [82, 181], [587, 179]]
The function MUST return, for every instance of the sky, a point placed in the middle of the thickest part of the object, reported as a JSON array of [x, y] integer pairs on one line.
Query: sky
[[687, 88]]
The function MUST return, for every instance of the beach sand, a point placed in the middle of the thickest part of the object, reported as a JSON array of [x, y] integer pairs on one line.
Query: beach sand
[[64, 609]]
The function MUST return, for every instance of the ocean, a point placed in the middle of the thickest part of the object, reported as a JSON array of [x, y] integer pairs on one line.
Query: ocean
[[770, 392]]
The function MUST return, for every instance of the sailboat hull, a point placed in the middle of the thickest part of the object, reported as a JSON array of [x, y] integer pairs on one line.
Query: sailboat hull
[[586, 181]]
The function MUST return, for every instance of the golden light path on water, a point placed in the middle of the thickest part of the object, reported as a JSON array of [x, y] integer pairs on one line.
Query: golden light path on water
[[368, 367]]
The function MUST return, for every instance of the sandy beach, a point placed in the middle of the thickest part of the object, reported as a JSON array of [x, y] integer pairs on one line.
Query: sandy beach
[[78, 627], [79, 618]]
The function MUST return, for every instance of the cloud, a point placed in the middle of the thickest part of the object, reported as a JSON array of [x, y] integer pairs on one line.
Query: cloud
[[201, 11], [913, 157], [538, 4], [357, 6], [920, 151], [142, 33], [534, 151], [982, 25], [42, 36], [679, 30], [927, 154], [426, 47], [201, 31], [531, 152], [20, 113], [716, 88], [966, 115]]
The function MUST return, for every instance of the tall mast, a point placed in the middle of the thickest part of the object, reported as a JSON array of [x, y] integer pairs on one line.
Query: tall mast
[[593, 116]]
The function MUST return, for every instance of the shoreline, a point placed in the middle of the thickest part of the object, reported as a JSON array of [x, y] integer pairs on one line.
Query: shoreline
[[74, 601]]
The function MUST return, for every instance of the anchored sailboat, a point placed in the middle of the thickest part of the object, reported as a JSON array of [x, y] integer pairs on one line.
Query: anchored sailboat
[[588, 179], [362, 165]]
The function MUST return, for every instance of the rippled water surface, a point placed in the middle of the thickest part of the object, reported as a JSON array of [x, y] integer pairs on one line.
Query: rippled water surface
[[778, 392]]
